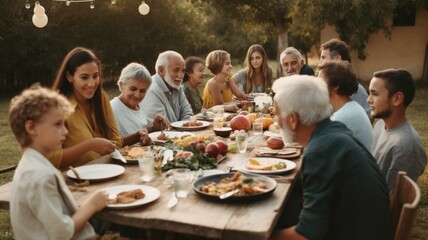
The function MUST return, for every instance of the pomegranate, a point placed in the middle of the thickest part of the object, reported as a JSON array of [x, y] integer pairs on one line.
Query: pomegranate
[[212, 149], [222, 147]]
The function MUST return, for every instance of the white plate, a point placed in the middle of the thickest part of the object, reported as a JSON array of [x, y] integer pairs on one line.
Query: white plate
[[169, 134], [97, 172], [290, 166], [210, 172], [271, 134], [151, 194], [179, 125]]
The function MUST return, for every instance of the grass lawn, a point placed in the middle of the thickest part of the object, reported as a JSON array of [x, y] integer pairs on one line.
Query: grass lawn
[[417, 114]]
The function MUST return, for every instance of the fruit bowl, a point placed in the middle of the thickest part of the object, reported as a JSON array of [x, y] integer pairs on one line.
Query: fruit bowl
[[223, 131]]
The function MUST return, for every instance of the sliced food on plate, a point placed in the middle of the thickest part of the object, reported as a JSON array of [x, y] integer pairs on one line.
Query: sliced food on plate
[[253, 164], [267, 165], [127, 196]]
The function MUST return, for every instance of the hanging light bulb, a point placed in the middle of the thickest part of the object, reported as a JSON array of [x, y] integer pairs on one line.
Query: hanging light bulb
[[67, 3], [92, 5], [39, 10], [113, 2], [40, 21], [144, 9], [27, 5]]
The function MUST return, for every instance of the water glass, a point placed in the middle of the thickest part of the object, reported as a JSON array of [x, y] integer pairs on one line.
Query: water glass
[[181, 178], [257, 127], [242, 141], [147, 167], [218, 111], [218, 122]]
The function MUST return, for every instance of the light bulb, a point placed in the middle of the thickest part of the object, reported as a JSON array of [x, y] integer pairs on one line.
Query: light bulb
[[67, 3], [92, 5], [40, 21], [113, 2], [27, 5], [144, 9], [39, 10]]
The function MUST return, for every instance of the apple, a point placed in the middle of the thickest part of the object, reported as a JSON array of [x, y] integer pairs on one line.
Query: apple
[[240, 122], [222, 147], [212, 149], [200, 146]]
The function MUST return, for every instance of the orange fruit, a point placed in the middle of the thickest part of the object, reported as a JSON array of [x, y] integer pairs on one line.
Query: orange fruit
[[251, 117]]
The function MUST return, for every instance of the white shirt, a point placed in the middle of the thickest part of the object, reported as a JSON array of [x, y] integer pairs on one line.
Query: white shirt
[[41, 204], [355, 118], [128, 120]]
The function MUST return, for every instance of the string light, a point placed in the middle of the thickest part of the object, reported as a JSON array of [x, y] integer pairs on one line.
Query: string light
[[40, 19]]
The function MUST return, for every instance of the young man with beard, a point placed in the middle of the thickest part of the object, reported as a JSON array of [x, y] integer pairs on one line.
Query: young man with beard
[[344, 193], [396, 144], [165, 96]]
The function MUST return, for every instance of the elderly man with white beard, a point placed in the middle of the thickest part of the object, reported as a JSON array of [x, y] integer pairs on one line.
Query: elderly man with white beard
[[344, 193], [165, 96]]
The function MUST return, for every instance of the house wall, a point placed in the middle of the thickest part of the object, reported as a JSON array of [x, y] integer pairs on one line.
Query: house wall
[[405, 49]]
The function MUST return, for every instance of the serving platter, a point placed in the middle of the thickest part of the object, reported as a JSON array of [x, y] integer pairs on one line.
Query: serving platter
[[285, 153], [239, 199]]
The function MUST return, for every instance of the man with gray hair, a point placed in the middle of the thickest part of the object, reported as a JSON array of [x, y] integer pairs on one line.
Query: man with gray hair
[[165, 96], [292, 63], [344, 193]]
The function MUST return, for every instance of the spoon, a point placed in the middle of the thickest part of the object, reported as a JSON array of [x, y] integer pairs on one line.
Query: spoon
[[228, 194], [172, 201]]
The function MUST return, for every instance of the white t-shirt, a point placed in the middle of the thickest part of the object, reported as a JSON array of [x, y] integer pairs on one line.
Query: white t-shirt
[[355, 118], [128, 121], [41, 205]]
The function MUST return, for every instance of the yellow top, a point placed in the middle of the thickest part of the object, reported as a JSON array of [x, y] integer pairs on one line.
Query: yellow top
[[80, 129], [209, 99]]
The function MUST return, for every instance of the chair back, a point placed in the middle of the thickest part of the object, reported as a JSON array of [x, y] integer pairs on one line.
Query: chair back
[[404, 203]]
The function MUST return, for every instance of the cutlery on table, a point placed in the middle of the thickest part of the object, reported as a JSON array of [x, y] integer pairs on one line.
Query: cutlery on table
[[172, 201], [228, 194], [119, 156]]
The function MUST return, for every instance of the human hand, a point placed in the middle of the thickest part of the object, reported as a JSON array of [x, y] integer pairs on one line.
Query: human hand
[[102, 146], [160, 123], [99, 200], [144, 137]]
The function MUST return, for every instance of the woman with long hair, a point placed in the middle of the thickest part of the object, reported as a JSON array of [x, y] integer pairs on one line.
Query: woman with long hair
[[92, 129], [192, 79], [256, 76]]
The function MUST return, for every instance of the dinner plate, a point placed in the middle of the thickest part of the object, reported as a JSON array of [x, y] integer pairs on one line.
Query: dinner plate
[[290, 165], [96, 172], [239, 199], [271, 134], [179, 125], [128, 159], [169, 134], [151, 194]]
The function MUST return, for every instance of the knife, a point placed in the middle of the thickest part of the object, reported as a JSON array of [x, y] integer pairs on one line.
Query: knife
[[119, 156]]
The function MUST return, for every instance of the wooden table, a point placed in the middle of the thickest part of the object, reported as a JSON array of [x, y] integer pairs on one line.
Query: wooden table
[[192, 215]]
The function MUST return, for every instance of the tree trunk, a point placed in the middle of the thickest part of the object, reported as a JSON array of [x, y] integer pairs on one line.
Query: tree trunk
[[281, 26]]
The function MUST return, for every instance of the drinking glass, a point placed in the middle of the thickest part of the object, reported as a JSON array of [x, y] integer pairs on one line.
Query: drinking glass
[[242, 141], [257, 127], [147, 167], [181, 178]]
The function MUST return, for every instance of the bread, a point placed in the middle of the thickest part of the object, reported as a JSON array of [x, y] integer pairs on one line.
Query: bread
[[136, 151], [261, 166]]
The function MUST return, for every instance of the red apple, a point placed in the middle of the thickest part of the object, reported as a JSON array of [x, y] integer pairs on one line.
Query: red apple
[[212, 149], [240, 122], [243, 113], [222, 147], [200, 147]]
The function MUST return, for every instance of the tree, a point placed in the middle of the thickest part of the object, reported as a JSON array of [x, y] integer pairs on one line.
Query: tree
[[258, 11]]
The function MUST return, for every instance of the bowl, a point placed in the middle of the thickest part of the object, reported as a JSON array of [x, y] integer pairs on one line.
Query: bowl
[[223, 131]]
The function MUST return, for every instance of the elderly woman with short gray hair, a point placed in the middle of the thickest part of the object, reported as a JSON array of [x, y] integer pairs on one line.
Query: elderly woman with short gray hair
[[133, 83]]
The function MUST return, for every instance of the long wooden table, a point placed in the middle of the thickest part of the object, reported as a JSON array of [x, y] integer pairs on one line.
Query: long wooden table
[[192, 215]]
